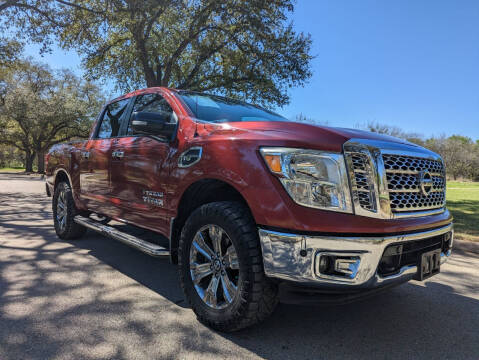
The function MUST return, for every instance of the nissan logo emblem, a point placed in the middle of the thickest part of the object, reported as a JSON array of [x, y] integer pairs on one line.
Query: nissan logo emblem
[[425, 182]]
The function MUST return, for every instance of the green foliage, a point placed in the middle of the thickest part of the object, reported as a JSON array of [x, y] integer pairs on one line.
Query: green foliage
[[464, 140], [40, 107], [10, 157], [9, 52], [460, 155], [239, 48]]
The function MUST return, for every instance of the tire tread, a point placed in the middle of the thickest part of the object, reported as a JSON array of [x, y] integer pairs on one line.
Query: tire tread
[[72, 230], [259, 295]]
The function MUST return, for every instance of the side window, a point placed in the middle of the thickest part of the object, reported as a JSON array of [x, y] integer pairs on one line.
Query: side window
[[153, 103], [110, 124]]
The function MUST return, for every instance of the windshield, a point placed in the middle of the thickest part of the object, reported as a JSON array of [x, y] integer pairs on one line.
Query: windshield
[[217, 109]]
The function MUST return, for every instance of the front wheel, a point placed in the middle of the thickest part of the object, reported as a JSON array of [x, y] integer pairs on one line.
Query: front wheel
[[64, 211], [221, 267]]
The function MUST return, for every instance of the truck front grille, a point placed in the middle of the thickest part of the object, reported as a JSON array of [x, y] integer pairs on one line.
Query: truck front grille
[[363, 188], [403, 174], [392, 180]]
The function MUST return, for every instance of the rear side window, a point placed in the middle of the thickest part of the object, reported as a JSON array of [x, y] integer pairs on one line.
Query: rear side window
[[153, 103], [111, 121]]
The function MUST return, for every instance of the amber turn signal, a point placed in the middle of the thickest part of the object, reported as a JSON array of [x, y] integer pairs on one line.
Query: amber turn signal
[[274, 162]]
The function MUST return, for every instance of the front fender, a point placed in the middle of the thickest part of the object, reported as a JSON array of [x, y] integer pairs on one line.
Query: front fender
[[238, 163]]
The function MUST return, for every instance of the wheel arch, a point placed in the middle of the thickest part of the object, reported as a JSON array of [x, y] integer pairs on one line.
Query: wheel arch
[[61, 175], [199, 193]]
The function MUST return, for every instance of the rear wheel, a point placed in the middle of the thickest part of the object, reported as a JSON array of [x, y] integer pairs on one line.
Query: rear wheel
[[64, 211], [221, 267]]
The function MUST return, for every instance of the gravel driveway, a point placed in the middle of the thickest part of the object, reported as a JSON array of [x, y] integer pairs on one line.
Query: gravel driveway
[[96, 298]]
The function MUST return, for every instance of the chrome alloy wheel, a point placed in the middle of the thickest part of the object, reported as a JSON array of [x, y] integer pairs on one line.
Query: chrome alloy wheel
[[214, 266], [62, 210]]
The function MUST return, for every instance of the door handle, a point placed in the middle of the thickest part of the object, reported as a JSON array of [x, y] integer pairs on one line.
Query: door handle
[[85, 154], [117, 154]]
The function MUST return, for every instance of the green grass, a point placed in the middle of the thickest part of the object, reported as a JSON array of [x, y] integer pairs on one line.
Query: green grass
[[14, 169], [463, 202]]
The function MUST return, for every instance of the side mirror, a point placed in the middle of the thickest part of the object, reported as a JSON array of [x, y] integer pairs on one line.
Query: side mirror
[[149, 123]]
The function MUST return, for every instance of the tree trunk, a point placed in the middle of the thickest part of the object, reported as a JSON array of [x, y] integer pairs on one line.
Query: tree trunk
[[29, 157], [150, 77], [41, 162]]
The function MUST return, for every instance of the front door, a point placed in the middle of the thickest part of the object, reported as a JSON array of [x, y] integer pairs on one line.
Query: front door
[[140, 170], [95, 159]]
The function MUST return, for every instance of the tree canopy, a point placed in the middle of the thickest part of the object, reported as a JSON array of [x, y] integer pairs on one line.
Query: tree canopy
[[40, 107], [239, 48]]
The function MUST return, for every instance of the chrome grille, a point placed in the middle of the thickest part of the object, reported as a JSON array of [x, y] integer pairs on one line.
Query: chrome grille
[[410, 182], [392, 180], [409, 164], [415, 201], [403, 173], [363, 189]]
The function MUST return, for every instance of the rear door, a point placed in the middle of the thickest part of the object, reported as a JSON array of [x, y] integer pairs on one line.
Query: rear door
[[139, 170], [95, 162]]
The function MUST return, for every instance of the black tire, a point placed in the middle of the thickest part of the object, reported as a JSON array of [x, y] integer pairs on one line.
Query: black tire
[[68, 229], [255, 296]]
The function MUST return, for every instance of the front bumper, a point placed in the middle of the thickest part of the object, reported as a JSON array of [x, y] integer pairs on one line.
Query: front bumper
[[296, 258]]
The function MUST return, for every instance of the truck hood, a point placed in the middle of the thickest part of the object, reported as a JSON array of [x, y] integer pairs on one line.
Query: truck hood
[[296, 134]]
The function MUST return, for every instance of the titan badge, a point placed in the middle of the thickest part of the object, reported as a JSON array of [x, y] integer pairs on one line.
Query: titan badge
[[154, 198]]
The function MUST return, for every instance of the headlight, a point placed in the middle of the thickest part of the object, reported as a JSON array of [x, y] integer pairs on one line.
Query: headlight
[[312, 178]]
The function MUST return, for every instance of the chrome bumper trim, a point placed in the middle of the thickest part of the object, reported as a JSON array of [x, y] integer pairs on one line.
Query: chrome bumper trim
[[410, 214], [292, 256]]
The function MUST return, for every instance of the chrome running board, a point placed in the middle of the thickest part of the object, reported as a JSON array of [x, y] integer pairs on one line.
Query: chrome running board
[[128, 239]]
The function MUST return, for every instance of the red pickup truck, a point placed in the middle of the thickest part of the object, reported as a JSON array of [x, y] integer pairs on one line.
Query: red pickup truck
[[253, 208]]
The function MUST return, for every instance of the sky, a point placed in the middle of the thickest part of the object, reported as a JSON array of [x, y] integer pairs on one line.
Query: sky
[[412, 64]]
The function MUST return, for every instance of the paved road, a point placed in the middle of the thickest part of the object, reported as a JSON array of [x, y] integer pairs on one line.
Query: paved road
[[96, 298]]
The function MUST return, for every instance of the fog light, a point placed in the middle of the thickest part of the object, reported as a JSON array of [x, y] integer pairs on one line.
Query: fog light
[[334, 265], [348, 267], [324, 263]]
